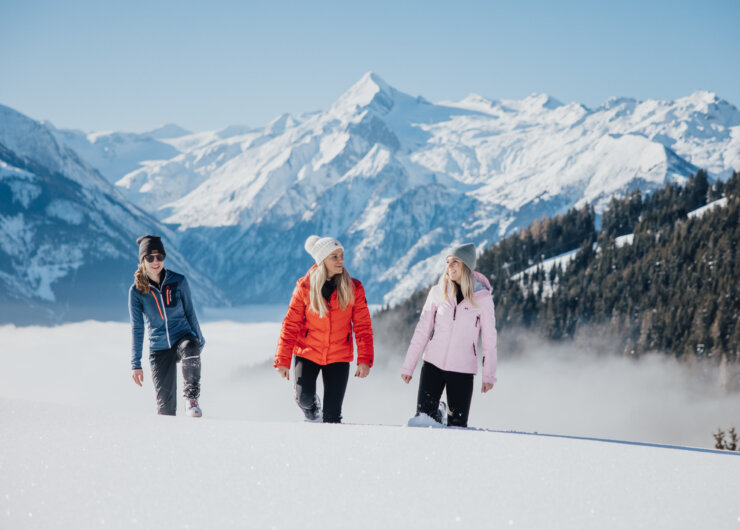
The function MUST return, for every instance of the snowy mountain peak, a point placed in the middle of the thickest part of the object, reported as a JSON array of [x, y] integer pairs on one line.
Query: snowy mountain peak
[[280, 124], [478, 99], [716, 108], [169, 130], [32, 141], [614, 102], [703, 96], [541, 101], [477, 103], [369, 91]]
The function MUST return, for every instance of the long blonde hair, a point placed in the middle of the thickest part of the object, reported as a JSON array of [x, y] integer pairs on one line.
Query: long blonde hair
[[466, 284], [140, 279], [345, 290]]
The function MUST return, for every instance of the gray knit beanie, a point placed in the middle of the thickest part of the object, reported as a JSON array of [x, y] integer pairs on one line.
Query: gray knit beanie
[[465, 253], [321, 247]]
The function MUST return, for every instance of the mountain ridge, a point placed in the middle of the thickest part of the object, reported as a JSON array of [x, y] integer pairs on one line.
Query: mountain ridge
[[398, 179]]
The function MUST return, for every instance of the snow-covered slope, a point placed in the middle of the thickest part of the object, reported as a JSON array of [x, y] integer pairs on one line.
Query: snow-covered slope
[[565, 259], [115, 154], [67, 236], [76, 468], [397, 178], [81, 446]]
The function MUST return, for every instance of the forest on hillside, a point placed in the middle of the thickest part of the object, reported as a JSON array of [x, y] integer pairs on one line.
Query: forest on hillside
[[669, 285]]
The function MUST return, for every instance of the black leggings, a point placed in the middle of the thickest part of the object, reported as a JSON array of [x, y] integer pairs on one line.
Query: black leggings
[[334, 376], [164, 373], [433, 381]]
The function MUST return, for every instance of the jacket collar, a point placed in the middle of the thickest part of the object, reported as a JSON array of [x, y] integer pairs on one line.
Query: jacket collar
[[158, 286]]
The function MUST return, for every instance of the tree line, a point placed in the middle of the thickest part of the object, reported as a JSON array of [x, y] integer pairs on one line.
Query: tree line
[[671, 286]]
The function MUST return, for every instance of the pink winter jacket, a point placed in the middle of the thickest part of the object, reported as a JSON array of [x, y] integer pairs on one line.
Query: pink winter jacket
[[454, 344]]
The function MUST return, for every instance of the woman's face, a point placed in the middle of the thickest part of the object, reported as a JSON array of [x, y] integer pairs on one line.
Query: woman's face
[[334, 263], [154, 267], [454, 269]]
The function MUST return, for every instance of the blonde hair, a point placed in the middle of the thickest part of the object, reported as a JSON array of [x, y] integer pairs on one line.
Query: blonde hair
[[345, 290], [140, 278], [466, 284]]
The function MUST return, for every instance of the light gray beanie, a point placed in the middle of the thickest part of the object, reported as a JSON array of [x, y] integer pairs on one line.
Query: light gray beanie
[[465, 253], [321, 247]]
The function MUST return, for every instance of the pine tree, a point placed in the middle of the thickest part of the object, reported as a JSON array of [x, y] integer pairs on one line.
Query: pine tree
[[731, 444], [719, 439]]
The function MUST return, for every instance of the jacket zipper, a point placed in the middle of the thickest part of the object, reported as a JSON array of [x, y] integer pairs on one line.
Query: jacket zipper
[[164, 311], [452, 332], [328, 315]]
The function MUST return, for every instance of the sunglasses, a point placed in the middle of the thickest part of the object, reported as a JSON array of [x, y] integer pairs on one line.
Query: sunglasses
[[151, 257]]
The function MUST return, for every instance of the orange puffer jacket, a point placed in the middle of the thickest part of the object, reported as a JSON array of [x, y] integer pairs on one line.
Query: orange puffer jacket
[[329, 339]]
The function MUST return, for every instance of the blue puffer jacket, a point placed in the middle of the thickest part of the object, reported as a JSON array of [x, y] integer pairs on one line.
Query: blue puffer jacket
[[168, 313]]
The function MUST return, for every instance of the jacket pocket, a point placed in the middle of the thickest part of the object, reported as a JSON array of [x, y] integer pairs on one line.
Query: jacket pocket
[[170, 296], [349, 337], [475, 352]]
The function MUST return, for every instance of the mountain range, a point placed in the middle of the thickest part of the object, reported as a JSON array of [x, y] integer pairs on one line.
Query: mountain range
[[394, 177], [67, 235]]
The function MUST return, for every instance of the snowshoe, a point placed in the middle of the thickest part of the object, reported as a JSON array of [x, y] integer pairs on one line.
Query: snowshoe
[[441, 415]]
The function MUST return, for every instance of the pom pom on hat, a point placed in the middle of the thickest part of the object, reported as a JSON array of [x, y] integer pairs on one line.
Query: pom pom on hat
[[321, 247]]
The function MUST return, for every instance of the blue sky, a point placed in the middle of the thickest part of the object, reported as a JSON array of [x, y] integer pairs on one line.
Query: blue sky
[[135, 65]]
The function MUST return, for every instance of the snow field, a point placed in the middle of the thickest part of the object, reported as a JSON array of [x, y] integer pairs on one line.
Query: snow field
[[81, 447], [68, 467]]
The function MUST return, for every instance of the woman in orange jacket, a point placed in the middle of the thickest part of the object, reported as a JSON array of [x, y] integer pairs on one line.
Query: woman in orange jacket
[[326, 308]]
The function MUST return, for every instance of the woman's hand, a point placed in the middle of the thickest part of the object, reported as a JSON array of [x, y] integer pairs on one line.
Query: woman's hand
[[362, 370], [138, 376], [284, 372], [406, 378], [486, 387]]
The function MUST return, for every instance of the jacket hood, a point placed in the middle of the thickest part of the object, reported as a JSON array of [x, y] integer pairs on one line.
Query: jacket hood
[[480, 282]]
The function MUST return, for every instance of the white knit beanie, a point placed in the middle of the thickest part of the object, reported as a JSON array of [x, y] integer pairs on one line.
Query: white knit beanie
[[321, 247]]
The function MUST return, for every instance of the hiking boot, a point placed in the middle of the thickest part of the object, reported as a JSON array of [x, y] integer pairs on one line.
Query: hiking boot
[[192, 409]]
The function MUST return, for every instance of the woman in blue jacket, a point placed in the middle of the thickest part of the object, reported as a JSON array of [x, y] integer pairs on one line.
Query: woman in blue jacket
[[161, 299]]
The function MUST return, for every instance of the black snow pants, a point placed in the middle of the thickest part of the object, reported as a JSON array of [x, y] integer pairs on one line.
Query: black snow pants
[[334, 376], [164, 373], [459, 386]]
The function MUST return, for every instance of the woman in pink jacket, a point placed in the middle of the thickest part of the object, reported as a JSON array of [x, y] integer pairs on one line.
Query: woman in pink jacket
[[458, 310]]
